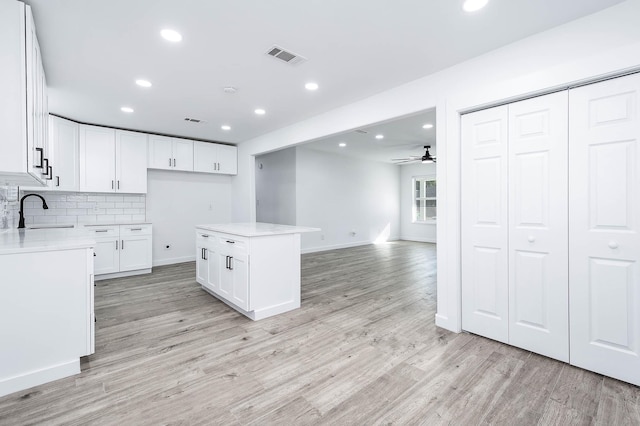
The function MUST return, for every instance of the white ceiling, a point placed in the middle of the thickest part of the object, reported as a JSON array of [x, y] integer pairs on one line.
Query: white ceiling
[[403, 137], [94, 50]]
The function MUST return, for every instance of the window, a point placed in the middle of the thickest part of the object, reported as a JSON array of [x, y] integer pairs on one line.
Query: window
[[424, 199]]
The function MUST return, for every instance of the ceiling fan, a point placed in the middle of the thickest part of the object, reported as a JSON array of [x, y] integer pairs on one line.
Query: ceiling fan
[[426, 158]]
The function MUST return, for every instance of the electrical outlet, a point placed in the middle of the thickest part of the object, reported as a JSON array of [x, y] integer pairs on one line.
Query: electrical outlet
[[167, 246]]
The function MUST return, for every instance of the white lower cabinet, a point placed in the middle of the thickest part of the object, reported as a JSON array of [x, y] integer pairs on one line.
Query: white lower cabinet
[[121, 250], [257, 276], [550, 230]]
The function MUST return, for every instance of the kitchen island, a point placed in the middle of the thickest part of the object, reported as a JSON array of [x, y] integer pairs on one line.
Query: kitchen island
[[252, 267], [46, 305]]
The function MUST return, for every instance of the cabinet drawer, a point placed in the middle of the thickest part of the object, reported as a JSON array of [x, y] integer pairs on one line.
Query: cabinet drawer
[[127, 230], [101, 231], [232, 244]]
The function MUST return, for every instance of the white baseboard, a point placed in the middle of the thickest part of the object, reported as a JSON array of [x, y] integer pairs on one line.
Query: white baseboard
[[341, 246], [122, 274], [173, 260], [418, 239], [39, 377]]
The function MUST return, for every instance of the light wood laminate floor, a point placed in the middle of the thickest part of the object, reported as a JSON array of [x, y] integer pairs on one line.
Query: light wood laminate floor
[[363, 350]]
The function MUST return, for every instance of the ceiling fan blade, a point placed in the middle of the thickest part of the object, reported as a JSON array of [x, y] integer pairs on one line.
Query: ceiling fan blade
[[406, 160]]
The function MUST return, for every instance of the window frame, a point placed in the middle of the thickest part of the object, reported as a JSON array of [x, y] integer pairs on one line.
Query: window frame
[[414, 198]]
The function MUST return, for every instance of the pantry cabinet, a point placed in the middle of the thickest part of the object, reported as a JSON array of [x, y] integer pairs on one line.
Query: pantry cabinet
[[24, 102], [215, 158], [112, 160], [549, 230]]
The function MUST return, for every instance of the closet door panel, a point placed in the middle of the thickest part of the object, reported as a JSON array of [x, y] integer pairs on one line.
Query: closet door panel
[[604, 230], [538, 225], [484, 223]]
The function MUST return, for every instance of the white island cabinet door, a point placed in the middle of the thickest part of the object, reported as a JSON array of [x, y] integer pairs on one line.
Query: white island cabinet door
[[604, 227], [538, 227], [131, 162], [107, 256], [97, 159], [485, 275]]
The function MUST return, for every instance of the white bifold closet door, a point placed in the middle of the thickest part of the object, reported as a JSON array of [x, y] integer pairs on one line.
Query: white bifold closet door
[[604, 187], [485, 273], [514, 224], [538, 228]]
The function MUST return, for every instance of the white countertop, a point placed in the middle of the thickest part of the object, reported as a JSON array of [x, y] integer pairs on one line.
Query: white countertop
[[34, 240], [256, 229]]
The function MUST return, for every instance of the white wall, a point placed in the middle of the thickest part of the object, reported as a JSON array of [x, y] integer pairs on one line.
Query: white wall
[[600, 44], [276, 187], [176, 203], [341, 195], [409, 230]]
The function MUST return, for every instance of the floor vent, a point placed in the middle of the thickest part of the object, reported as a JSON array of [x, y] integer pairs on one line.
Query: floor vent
[[286, 56]]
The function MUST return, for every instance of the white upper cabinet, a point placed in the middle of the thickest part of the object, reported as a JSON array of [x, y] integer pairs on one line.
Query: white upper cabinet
[[215, 158], [131, 162], [170, 153], [97, 159], [65, 152], [23, 104], [112, 160]]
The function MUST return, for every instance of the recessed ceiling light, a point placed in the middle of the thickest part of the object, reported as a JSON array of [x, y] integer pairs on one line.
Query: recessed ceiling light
[[427, 126], [143, 83], [225, 127], [171, 35], [474, 5], [260, 111], [342, 144], [379, 136], [311, 86], [126, 109]]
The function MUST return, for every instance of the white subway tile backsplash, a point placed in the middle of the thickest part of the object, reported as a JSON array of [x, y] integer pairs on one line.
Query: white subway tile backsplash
[[81, 208], [76, 212]]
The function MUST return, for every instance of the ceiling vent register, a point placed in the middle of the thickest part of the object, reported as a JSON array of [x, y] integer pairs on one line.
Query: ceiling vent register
[[286, 56]]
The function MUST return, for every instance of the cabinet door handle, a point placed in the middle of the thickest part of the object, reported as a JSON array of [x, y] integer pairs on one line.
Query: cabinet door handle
[[102, 230], [122, 244], [205, 236], [50, 173], [118, 184], [116, 244], [57, 180], [169, 162], [230, 263], [218, 166], [135, 229], [231, 242], [45, 167], [41, 165], [174, 162], [112, 185]]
